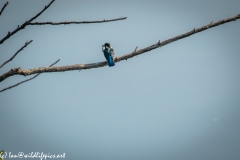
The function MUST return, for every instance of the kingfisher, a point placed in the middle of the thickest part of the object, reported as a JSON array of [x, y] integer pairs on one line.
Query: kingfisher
[[109, 54]]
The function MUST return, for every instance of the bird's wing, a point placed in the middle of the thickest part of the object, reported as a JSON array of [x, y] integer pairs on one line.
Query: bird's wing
[[112, 52], [103, 47]]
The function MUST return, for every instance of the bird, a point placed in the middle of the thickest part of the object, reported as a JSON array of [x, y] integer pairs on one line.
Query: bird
[[108, 52]]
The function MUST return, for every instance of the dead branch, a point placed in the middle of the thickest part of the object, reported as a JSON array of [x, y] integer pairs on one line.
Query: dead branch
[[15, 85], [24, 24], [76, 22], [19, 71], [29, 22], [5, 5], [26, 44]]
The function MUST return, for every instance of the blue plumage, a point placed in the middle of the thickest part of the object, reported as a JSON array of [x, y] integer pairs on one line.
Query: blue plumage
[[109, 54]]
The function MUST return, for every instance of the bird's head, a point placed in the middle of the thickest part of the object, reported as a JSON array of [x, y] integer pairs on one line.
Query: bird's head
[[107, 45]]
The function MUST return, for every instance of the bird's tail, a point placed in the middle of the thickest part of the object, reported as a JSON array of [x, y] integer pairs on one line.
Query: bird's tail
[[111, 62]]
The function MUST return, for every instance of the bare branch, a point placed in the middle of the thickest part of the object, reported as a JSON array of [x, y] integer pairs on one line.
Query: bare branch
[[15, 85], [5, 5], [24, 24], [26, 44], [76, 22], [29, 22], [23, 72]]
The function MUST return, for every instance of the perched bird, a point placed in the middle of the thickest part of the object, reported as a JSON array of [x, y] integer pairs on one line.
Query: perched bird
[[109, 54]]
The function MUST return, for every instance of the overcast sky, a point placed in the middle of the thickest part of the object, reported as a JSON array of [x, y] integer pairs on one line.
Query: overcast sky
[[178, 102]]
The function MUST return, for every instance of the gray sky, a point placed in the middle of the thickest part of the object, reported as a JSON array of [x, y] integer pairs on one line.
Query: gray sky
[[180, 101]]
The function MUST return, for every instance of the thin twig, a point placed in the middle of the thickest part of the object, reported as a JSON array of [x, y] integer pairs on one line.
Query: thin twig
[[26, 44], [5, 5], [76, 22], [136, 49], [24, 24], [19, 71], [27, 79]]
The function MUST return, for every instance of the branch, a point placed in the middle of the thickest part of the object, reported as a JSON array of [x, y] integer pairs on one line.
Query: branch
[[29, 22], [76, 22], [24, 24], [5, 5], [26, 44], [15, 85], [20, 71]]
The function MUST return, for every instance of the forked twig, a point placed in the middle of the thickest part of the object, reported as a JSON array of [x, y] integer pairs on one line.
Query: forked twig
[[27, 79], [29, 22], [24, 24]]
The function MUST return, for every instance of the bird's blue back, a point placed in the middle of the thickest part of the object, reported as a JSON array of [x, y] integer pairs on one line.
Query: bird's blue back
[[108, 56]]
